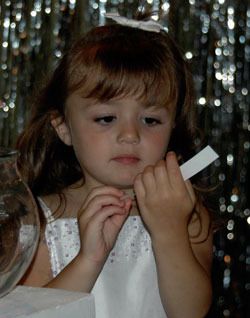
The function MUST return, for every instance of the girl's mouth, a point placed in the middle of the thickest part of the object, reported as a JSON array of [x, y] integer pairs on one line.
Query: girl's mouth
[[126, 159]]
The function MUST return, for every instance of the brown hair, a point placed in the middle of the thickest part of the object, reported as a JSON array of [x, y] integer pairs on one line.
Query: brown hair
[[109, 61]]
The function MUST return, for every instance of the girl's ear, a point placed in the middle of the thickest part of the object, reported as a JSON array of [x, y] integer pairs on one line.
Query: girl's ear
[[62, 129]]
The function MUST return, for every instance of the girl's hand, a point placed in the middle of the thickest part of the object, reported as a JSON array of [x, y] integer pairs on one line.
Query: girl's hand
[[100, 220], [165, 200]]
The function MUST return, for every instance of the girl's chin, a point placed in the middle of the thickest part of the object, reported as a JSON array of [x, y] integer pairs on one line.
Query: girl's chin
[[120, 183], [126, 186]]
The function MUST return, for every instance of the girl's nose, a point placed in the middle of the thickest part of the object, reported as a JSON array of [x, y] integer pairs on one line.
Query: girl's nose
[[129, 133]]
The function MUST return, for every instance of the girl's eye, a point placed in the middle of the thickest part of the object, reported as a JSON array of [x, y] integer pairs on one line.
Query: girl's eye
[[150, 121], [105, 120]]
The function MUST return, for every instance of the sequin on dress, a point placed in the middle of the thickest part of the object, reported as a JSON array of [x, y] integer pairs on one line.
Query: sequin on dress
[[127, 285]]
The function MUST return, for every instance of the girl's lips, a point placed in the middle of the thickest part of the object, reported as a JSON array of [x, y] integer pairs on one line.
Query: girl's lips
[[126, 159]]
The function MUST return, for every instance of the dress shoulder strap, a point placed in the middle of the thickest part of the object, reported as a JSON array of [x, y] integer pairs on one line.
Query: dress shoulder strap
[[46, 210]]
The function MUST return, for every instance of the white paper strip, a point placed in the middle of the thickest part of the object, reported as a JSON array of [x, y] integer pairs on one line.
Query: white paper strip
[[200, 161]]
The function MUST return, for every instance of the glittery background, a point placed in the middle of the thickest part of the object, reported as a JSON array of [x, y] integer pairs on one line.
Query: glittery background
[[215, 37]]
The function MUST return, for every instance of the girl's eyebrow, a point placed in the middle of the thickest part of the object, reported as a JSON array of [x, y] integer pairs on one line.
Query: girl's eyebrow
[[156, 108], [89, 102]]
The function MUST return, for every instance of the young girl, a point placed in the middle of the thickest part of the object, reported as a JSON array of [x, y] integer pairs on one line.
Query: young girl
[[100, 153]]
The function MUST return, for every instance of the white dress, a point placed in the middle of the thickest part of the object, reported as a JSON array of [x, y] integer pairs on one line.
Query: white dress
[[127, 286]]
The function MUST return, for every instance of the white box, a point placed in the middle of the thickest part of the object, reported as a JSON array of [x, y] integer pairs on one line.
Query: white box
[[34, 302]]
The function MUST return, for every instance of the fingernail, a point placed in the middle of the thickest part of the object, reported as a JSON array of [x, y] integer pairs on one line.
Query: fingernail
[[171, 153]]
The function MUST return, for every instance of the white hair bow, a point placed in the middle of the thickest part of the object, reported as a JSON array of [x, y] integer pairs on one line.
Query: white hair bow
[[150, 25]]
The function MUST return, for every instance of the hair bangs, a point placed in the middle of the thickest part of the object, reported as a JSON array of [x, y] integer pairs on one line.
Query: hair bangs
[[104, 72]]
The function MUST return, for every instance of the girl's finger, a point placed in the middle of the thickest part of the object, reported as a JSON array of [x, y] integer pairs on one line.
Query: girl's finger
[[139, 187], [102, 190], [161, 174], [148, 179], [108, 212], [190, 190], [100, 201], [174, 173]]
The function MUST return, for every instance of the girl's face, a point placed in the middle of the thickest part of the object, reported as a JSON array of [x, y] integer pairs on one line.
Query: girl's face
[[115, 140]]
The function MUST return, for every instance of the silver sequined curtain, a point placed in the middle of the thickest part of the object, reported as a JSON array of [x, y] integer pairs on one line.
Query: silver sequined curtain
[[215, 38]]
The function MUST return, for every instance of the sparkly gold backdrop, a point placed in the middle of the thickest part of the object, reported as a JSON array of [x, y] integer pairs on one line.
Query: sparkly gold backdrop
[[215, 37]]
